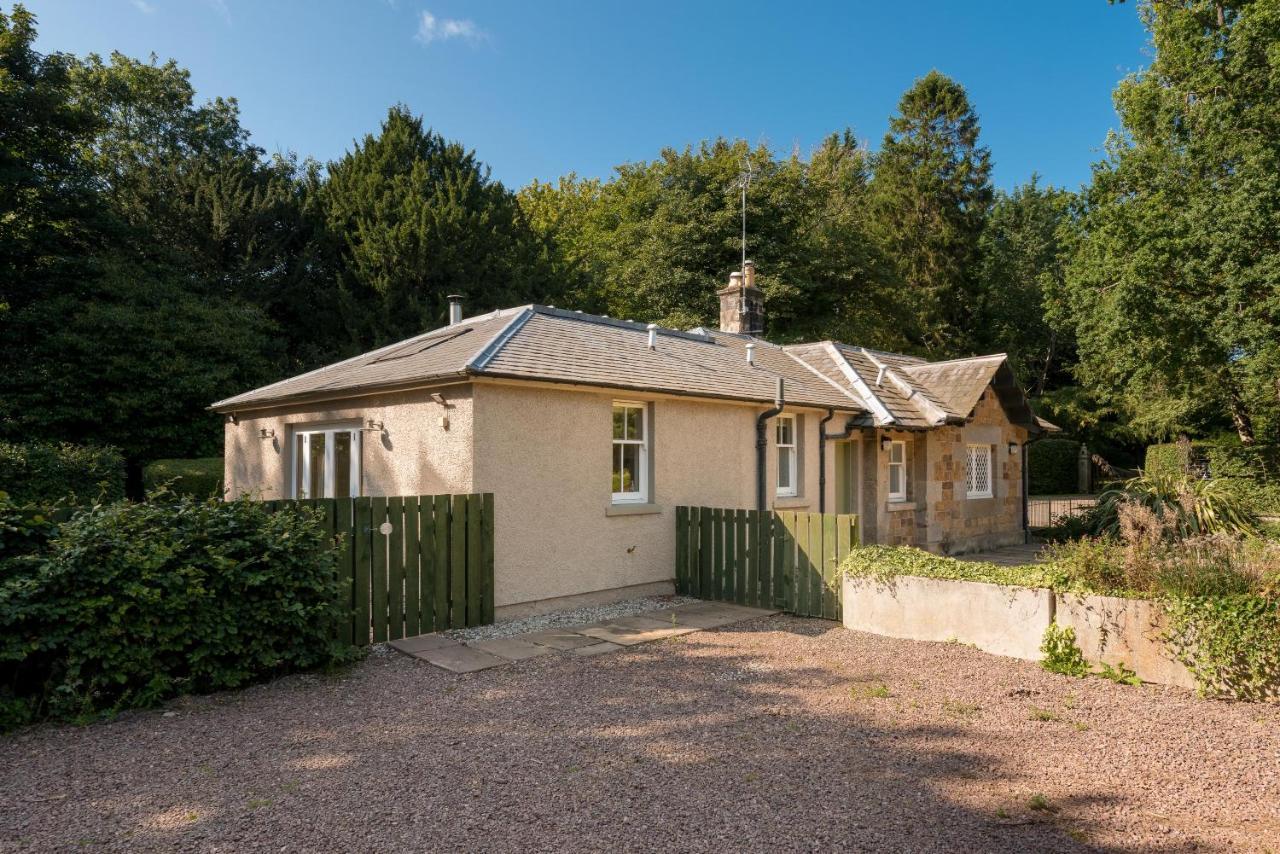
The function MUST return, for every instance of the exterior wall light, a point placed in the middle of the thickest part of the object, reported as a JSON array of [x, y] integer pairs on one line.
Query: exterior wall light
[[374, 426], [885, 442], [267, 433], [1013, 449]]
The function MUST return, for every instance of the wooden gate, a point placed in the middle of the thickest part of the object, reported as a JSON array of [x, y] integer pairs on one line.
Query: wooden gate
[[767, 559], [410, 564]]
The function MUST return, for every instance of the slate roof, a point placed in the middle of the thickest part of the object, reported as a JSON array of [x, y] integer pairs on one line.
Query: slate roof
[[545, 344]]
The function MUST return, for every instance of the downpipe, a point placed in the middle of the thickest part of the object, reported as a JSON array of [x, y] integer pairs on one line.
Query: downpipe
[[762, 442], [823, 438]]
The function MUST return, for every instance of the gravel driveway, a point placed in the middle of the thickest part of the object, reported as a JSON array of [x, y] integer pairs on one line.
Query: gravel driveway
[[778, 734]]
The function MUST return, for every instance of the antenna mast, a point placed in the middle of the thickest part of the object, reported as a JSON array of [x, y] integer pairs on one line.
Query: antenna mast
[[744, 180]]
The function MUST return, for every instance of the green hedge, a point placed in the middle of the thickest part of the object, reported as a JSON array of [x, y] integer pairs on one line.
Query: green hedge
[[1053, 467], [46, 473], [1252, 472], [128, 604], [199, 477]]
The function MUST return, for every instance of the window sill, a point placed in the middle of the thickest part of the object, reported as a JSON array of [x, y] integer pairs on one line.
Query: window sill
[[790, 502], [895, 506], [979, 497], [636, 509]]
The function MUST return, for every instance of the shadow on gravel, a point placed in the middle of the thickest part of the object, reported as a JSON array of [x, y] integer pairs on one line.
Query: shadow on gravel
[[749, 738]]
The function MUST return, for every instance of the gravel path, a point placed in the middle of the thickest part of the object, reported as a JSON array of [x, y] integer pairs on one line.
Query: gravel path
[[781, 734]]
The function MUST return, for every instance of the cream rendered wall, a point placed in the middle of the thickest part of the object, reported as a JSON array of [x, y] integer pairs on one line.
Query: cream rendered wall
[[545, 452], [413, 455]]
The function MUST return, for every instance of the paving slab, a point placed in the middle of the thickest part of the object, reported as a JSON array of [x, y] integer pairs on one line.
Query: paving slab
[[421, 643], [558, 639], [460, 658], [513, 649], [629, 631], [595, 648], [712, 615]]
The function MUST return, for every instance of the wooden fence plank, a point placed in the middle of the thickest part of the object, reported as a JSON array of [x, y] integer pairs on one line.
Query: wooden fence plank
[[475, 552], [830, 561], [788, 559], [705, 587], [799, 529], [682, 550], [717, 554], [488, 523], [442, 576], [731, 555], [412, 568], [846, 533], [762, 557], [815, 565], [395, 568], [362, 538], [343, 529], [458, 562], [378, 571], [427, 564], [740, 552]]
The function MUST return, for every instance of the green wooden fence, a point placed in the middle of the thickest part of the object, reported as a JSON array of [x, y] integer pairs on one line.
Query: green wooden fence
[[410, 564], [767, 559]]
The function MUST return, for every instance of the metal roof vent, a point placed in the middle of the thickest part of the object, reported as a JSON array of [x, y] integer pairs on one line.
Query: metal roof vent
[[751, 352], [880, 376], [653, 336], [455, 309]]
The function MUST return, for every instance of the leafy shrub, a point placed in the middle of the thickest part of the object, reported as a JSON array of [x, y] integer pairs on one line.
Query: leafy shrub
[[1250, 472], [133, 603], [1168, 459], [1187, 506], [887, 562], [46, 473], [199, 477], [1061, 652], [23, 531], [1231, 644], [1052, 466]]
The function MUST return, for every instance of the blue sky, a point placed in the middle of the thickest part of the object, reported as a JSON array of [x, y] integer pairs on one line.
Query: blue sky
[[539, 89]]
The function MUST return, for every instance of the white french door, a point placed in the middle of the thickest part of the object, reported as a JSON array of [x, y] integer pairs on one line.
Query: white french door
[[326, 463]]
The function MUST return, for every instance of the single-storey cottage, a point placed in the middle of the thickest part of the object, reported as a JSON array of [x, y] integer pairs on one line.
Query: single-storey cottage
[[590, 430]]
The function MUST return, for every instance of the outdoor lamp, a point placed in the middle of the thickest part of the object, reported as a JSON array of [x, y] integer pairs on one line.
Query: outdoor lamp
[[885, 442], [1013, 449], [266, 433]]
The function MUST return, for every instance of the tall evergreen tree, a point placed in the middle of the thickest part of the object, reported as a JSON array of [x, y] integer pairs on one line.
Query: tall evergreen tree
[[1174, 291], [930, 198], [418, 218]]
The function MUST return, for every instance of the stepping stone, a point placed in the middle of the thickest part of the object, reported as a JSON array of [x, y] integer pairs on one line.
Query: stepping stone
[[421, 643], [629, 631], [595, 648], [558, 639], [460, 658], [512, 649], [714, 615]]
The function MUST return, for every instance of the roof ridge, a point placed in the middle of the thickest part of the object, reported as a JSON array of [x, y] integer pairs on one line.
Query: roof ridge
[[870, 399], [931, 408], [824, 377], [927, 364], [499, 339], [617, 323]]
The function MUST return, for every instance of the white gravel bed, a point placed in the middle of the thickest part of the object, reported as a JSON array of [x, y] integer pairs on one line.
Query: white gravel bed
[[564, 619]]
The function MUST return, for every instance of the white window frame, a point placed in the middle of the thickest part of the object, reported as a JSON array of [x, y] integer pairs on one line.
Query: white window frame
[[901, 464], [302, 445], [641, 497], [972, 454], [791, 449]]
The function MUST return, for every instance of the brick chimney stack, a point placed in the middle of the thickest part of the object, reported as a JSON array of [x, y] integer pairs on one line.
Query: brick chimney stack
[[742, 303]]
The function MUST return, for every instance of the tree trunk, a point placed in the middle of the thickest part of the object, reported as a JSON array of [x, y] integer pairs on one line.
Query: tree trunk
[[1240, 417]]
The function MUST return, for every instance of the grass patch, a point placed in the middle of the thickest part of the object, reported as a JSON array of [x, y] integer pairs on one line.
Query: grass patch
[[1044, 715], [870, 691]]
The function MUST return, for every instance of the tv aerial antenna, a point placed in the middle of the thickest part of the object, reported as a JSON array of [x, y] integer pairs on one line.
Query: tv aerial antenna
[[744, 182]]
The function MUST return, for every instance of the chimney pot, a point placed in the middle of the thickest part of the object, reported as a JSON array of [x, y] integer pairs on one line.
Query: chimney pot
[[749, 273], [455, 309], [751, 353]]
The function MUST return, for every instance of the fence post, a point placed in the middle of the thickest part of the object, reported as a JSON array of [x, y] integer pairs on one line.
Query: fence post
[[1084, 470]]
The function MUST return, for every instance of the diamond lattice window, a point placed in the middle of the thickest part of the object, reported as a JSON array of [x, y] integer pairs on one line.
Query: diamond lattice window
[[977, 473]]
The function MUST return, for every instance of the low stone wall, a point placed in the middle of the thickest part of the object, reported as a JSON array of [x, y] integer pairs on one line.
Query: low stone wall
[[1119, 631], [1012, 621], [1003, 620]]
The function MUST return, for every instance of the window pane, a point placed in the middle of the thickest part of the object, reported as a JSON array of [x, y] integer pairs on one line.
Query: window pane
[[897, 451], [315, 486], [627, 476], [618, 416], [785, 469], [341, 465], [895, 480], [299, 487], [786, 431], [635, 422]]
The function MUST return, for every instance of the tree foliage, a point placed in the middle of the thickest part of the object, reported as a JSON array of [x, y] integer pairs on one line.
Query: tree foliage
[[1174, 288]]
